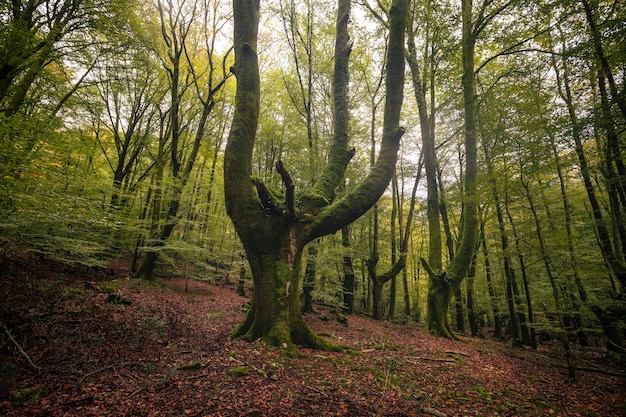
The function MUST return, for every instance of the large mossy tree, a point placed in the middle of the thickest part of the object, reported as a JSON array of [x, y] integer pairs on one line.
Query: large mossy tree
[[274, 231]]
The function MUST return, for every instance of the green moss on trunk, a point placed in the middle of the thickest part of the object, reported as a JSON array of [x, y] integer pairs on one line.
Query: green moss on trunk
[[439, 295], [275, 315]]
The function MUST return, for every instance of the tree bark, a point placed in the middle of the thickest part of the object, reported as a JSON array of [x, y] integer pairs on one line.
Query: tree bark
[[497, 332], [348, 272], [472, 315], [309, 278]]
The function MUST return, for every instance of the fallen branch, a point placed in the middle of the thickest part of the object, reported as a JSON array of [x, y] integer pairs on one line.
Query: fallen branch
[[431, 411], [385, 387], [425, 358], [97, 371], [24, 354], [588, 369], [319, 391], [451, 352], [137, 391]]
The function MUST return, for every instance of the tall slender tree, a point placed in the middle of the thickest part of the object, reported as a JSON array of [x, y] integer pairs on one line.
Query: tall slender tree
[[176, 22], [611, 315], [444, 283]]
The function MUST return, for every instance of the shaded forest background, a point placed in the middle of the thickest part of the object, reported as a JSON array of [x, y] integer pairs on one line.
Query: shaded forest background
[[114, 117]]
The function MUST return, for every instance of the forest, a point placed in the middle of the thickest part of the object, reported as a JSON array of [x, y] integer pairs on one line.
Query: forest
[[442, 178]]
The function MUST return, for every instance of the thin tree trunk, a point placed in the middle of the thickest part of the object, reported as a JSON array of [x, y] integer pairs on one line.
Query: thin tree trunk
[[379, 280], [443, 285], [611, 257], [141, 236], [348, 272], [458, 295], [509, 272], [522, 263], [545, 256], [471, 305], [407, 294], [567, 210], [174, 36], [616, 97], [147, 267], [309, 278], [604, 237], [393, 289], [497, 320], [434, 265]]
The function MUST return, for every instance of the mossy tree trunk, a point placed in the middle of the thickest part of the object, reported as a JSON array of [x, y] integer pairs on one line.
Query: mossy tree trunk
[[309, 278], [434, 264], [439, 295], [379, 281], [442, 285], [348, 284], [274, 231], [276, 315], [398, 263], [472, 316], [378, 310]]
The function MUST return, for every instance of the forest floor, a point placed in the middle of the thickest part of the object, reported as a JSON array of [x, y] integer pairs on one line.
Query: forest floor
[[103, 344]]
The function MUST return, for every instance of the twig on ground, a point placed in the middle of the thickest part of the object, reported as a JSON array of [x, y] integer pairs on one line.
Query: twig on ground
[[257, 370], [452, 352], [97, 371], [431, 411], [137, 391], [589, 369], [17, 345], [425, 358], [382, 395], [319, 391]]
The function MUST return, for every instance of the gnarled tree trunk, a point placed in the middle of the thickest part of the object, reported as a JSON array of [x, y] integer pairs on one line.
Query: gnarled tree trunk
[[274, 232]]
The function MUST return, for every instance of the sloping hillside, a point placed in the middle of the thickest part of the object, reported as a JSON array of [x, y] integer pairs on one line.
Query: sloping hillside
[[103, 344]]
